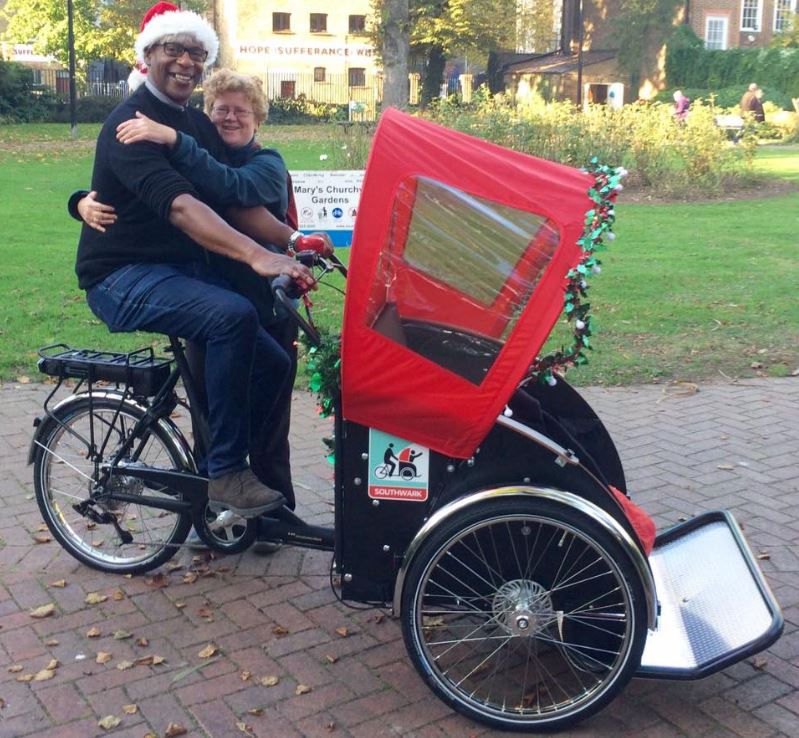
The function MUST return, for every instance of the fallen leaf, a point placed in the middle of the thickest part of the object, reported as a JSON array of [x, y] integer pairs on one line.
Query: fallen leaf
[[16, 668], [432, 622], [763, 555], [208, 651], [302, 689], [54, 664], [245, 676], [22, 379], [330, 727], [267, 681], [159, 581], [52, 642], [125, 665], [257, 711], [280, 630], [41, 538], [44, 675], [150, 660], [109, 722], [95, 598], [130, 709], [45, 611], [342, 631], [93, 632], [180, 605], [379, 618], [143, 642], [173, 566], [60, 584], [103, 657], [726, 467], [205, 612], [121, 635], [190, 577], [118, 595], [759, 663], [174, 729], [25, 678], [331, 659], [244, 728]]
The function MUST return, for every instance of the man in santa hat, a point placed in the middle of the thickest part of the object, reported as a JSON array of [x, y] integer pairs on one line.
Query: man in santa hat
[[152, 270]]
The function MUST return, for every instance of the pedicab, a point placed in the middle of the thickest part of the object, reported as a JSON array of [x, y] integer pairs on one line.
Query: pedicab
[[529, 586]]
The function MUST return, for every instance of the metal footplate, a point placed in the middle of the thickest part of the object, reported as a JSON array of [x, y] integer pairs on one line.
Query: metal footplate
[[715, 606]]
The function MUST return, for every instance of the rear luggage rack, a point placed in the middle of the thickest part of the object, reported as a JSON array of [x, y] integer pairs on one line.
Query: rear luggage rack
[[141, 370]]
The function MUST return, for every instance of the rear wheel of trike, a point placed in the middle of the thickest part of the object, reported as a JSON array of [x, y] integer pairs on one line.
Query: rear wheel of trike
[[523, 614], [71, 448]]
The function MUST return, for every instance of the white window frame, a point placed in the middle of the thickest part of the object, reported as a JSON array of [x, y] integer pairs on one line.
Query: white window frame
[[787, 11], [758, 19], [725, 22]]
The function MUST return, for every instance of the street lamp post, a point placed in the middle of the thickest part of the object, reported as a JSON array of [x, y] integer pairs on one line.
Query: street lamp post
[[73, 109]]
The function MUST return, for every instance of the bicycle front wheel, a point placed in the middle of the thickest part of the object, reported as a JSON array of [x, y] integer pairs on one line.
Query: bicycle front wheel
[[70, 452]]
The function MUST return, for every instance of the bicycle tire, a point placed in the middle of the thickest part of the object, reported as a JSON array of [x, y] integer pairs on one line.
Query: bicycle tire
[[64, 473], [524, 615]]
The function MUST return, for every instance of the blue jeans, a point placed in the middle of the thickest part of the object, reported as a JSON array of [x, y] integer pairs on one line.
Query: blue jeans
[[245, 368]]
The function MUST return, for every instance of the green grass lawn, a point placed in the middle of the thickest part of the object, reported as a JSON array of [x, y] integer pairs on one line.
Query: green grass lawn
[[688, 291]]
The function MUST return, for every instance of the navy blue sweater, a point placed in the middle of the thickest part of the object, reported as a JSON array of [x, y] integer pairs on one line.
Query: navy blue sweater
[[141, 183]]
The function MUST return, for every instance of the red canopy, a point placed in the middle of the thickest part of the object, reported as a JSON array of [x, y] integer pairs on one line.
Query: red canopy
[[457, 273]]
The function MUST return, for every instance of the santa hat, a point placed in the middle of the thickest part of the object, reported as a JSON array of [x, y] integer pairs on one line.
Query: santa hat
[[166, 19]]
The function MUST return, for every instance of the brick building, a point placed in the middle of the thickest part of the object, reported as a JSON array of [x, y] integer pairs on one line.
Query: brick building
[[728, 24]]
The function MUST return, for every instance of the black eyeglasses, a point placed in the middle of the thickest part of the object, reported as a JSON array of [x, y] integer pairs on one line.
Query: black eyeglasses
[[196, 53]]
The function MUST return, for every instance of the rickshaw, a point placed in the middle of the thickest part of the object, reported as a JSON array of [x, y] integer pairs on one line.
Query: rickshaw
[[529, 586]]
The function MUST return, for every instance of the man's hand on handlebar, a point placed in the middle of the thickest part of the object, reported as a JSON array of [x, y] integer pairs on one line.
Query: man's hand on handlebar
[[269, 264]]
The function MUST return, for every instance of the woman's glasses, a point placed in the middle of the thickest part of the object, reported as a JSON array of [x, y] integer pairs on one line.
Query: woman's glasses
[[196, 53], [223, 112]]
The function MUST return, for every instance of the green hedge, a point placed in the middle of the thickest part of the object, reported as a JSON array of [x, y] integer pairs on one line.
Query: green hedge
[[21, 101], [691, 66]]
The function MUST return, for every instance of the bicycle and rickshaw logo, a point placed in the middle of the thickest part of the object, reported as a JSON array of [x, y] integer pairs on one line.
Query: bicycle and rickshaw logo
[[398, 469]]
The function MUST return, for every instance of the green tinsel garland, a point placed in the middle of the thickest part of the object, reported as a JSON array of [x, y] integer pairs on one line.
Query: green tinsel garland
[[598, 225]]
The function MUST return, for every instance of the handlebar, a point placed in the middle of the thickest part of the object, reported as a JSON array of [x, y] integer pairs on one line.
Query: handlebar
[[286, 291]]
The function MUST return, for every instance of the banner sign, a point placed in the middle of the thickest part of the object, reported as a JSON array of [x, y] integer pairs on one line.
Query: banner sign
[[328, 201]]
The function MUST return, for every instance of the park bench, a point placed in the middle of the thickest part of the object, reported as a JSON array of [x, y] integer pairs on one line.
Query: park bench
[[732, 125]]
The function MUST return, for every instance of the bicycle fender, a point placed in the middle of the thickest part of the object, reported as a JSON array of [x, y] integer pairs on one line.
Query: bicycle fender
[[43, 424]]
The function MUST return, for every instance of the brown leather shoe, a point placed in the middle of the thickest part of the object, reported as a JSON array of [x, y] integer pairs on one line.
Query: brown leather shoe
[[244, 494]]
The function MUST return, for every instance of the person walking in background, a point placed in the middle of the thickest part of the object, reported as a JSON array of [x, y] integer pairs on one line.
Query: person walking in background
[[751, 103], [681, 105]]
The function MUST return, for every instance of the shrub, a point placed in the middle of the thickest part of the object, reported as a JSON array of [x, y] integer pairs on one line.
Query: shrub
[[21, 101], [87, 109], [659, 153], [302, 110]]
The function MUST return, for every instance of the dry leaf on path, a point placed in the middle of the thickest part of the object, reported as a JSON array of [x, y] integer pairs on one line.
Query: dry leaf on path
[[25, 678], [173, 730], [725, 467], [257, 711], [44, 611], [54, 664], [118, 595], [159, 581], [245, 676], [44, 675], [60, 584], [342, 631], [208, 651], [331, 659], [269, 681], [15, 668], [103, 657], [125, 665], [109, 722], [121, 635], [52, 642], [41, 538], [280, 630], [244, 728], [302, 689], [190, 577], [93, 632], [130, 709], [95, 598], [143, 642]]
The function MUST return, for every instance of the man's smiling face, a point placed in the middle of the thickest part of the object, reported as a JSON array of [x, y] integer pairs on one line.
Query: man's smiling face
[[175, 77]]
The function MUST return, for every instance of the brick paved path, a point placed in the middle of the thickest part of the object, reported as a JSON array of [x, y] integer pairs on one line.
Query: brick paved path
[[734, 446]]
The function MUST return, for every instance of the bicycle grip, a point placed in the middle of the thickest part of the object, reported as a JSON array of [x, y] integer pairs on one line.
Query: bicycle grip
[[285, 284]]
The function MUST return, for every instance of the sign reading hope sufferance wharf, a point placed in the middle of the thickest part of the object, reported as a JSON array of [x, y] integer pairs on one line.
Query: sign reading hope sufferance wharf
[[328, 201]]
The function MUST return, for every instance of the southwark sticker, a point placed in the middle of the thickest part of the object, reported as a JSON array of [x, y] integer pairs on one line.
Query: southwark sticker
[[398, 469]]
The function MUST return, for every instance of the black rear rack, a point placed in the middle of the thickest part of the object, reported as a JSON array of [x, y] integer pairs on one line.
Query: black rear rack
[[141, 370]]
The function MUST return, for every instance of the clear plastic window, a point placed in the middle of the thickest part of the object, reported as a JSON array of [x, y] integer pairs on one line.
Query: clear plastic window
[[456, 273]]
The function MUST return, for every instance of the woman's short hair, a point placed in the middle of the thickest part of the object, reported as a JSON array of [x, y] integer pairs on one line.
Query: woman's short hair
[[226, 80]]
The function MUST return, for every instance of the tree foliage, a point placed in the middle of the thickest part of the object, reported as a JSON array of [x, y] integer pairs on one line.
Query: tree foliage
[[789, 38], [103, 30], [638, 24]]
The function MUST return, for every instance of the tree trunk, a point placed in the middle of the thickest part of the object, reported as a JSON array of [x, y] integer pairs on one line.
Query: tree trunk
[[395, 55], [433, 74]]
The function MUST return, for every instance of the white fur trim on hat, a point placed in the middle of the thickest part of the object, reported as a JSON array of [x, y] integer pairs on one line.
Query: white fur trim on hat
[[136, 79], [176, 23]]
